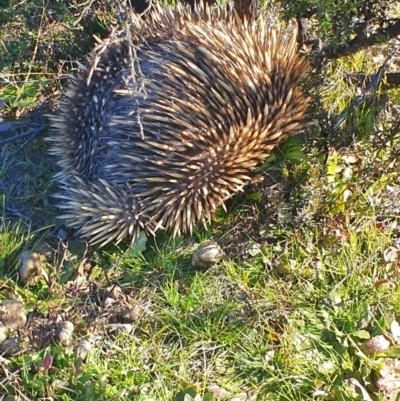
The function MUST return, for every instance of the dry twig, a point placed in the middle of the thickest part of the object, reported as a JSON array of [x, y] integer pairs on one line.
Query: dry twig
[[377, 78]]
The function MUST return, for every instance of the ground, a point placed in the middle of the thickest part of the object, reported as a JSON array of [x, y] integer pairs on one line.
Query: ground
[[308, 282]]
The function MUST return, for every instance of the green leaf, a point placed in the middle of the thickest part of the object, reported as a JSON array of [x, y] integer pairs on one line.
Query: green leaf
[[295, 155], [182, 395], [391, 352], [208, 397], [331, 166], [138, 246], [362, 334]]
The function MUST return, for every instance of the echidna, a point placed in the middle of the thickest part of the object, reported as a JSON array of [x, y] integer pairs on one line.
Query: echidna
[[163, 138]]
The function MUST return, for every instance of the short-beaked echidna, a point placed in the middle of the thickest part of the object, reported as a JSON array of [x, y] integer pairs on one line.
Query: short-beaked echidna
[[159, 130]]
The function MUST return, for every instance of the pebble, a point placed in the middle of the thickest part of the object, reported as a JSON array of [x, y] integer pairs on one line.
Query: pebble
[[30, 267], [10, 346], [130, 315], [62, 234], [395, 330], [376, 344], [64, 331], [82, 349], [120, 328], [114, 292], [207, 255], [391, 255], [12, 314], [218, 391], [386, 385], [4, 330]]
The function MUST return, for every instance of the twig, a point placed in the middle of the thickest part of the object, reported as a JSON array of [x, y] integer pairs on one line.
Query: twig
[[35, 48], [25, 143], [10, 374], [88, 5], [20, 123], [360, 42], [392, 79], [15, 212], [32, 133], [6, 127], [61, 255], [377, 78]]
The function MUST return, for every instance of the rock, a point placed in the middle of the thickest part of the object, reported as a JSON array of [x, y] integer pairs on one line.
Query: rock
[[375, 344], [62, 233], [395, 330], [114, 292], [120, 328], [64, 332], [12, 314], [207, 255], [218, 391], [46, 250], [4, 330], [82, 349], [130, 315], [10, 347], [30, 268], [389, 384], [391, 255]]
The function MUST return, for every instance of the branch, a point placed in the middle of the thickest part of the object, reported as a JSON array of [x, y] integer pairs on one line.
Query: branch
[[6, 130], [377, 78], [32, 132], [359, 78], [358, 43]]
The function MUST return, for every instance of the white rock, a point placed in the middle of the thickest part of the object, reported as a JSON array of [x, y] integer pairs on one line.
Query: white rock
[[395, 330], [30, 268], [82, 349], [376, 344], [130, 315], [12, 314], [120, 327], [206, 255], [4, 330], [64, 332], [10, 346]]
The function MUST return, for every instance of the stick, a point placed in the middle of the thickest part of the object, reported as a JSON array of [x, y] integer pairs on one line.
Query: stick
[[377, 78], [32, 133]]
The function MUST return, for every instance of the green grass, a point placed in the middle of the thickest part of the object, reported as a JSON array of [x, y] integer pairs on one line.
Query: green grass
[[283, 316]]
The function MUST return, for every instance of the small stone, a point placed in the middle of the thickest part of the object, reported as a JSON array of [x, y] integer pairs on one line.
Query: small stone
[[62, 234], [130, 315], [12, 314], [376, 344], [10, 347], [218, 391], [46, 250], [207, 255], [387, 384], [64, 332], [391, 255], [82, 349], [120, 328], [4, 331], [395, 330], [114, 292], [108, 302], [30, 268]]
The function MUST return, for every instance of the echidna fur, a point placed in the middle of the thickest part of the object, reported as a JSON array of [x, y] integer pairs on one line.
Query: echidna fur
[[211, 96]]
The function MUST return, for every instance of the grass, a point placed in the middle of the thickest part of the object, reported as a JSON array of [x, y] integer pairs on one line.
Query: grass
[[284, 316]]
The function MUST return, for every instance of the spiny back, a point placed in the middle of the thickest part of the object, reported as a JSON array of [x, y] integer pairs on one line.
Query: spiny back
[[179, 129]]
